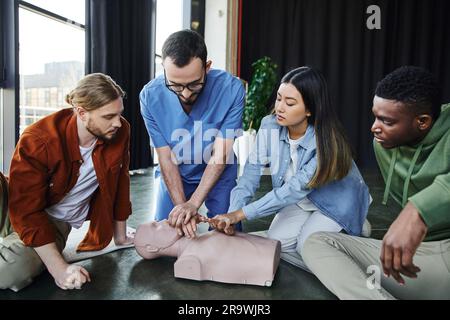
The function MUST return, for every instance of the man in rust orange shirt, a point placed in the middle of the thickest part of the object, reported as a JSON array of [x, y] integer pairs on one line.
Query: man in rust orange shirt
[[69, 167]]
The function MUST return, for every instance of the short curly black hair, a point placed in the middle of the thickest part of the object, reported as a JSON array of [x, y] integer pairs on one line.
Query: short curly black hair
[[415, 87]]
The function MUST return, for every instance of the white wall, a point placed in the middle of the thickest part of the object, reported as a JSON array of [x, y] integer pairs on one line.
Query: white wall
[[216, 13]]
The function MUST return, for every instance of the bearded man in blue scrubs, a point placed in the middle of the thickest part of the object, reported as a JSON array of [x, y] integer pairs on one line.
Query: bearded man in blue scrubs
[[193, 114]]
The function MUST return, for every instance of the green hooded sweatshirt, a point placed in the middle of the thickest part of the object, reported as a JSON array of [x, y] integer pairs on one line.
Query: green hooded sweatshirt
[[421, 174]]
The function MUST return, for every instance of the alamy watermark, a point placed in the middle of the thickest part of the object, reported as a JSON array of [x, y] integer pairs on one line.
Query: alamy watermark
[[374, 280], [374, 20], [196, 146]]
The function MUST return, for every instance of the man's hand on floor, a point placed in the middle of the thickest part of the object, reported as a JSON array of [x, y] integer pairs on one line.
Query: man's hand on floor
[[401, 242], [70, 276]]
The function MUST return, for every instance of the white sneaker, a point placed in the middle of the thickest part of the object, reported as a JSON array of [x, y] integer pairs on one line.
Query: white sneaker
[[366, 229]]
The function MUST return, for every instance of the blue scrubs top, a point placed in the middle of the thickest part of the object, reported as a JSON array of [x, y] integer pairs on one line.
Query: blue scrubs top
[[216, 112]]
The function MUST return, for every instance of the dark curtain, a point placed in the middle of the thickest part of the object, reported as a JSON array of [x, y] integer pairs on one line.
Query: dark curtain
[[332, 36], [120, 45], [2, 31]]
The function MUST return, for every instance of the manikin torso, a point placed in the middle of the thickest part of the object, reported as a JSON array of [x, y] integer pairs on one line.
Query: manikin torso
[[242, 258]]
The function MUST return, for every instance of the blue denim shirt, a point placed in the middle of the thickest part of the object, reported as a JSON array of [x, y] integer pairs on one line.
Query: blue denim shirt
[[345, 201]]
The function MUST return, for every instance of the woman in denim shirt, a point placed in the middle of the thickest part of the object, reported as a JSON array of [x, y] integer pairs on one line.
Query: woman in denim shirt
[[316, 184]]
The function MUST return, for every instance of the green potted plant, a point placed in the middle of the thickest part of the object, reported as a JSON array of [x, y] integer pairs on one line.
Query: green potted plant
[[262, 84]]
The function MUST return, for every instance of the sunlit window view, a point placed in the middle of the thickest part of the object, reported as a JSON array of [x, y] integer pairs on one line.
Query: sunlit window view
[[169, 18], [52, 57]]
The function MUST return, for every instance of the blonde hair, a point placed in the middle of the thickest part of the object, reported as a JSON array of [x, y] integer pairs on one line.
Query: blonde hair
[[94, 91]]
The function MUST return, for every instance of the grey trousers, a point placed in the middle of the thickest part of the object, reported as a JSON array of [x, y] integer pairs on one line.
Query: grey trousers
[[350, 267], [19, 264]]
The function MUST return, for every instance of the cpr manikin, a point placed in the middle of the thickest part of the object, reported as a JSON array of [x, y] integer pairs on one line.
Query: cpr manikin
[[241, 259]]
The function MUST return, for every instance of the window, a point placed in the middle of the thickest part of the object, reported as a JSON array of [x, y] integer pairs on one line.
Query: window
[[175, 15], [51, 55], [169, 19], [71, 9]]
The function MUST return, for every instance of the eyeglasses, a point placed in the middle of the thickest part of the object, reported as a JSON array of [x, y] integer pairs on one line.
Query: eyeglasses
[[194, 86]]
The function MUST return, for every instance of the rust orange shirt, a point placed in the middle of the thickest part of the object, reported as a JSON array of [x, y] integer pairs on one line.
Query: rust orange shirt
[[45, 167]]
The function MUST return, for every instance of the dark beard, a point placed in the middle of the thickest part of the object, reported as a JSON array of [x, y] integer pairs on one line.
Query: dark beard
[[101, 136], [191, 101]]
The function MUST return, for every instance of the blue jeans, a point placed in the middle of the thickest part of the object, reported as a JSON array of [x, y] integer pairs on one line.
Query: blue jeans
[[217, 201]]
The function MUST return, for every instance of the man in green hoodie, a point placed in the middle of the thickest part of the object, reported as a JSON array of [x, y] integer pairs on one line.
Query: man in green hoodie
[[412, 148]]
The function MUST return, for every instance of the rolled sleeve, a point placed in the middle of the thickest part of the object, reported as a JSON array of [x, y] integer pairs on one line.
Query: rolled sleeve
[[433, 202], [291, 192], [28, 190], [157, 139], [122, 204], [231, 127], [254, 168], [246, 186]]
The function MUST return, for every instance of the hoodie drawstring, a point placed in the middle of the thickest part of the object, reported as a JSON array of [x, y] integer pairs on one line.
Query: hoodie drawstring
[[389, 179], [408, 177]]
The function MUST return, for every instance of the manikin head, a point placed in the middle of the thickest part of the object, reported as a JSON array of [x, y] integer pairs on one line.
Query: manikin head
[[152, 238], [214, 256]]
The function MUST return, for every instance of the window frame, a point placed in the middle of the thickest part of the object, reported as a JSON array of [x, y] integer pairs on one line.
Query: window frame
[[9, 68], [47, 14], [51, 15]]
